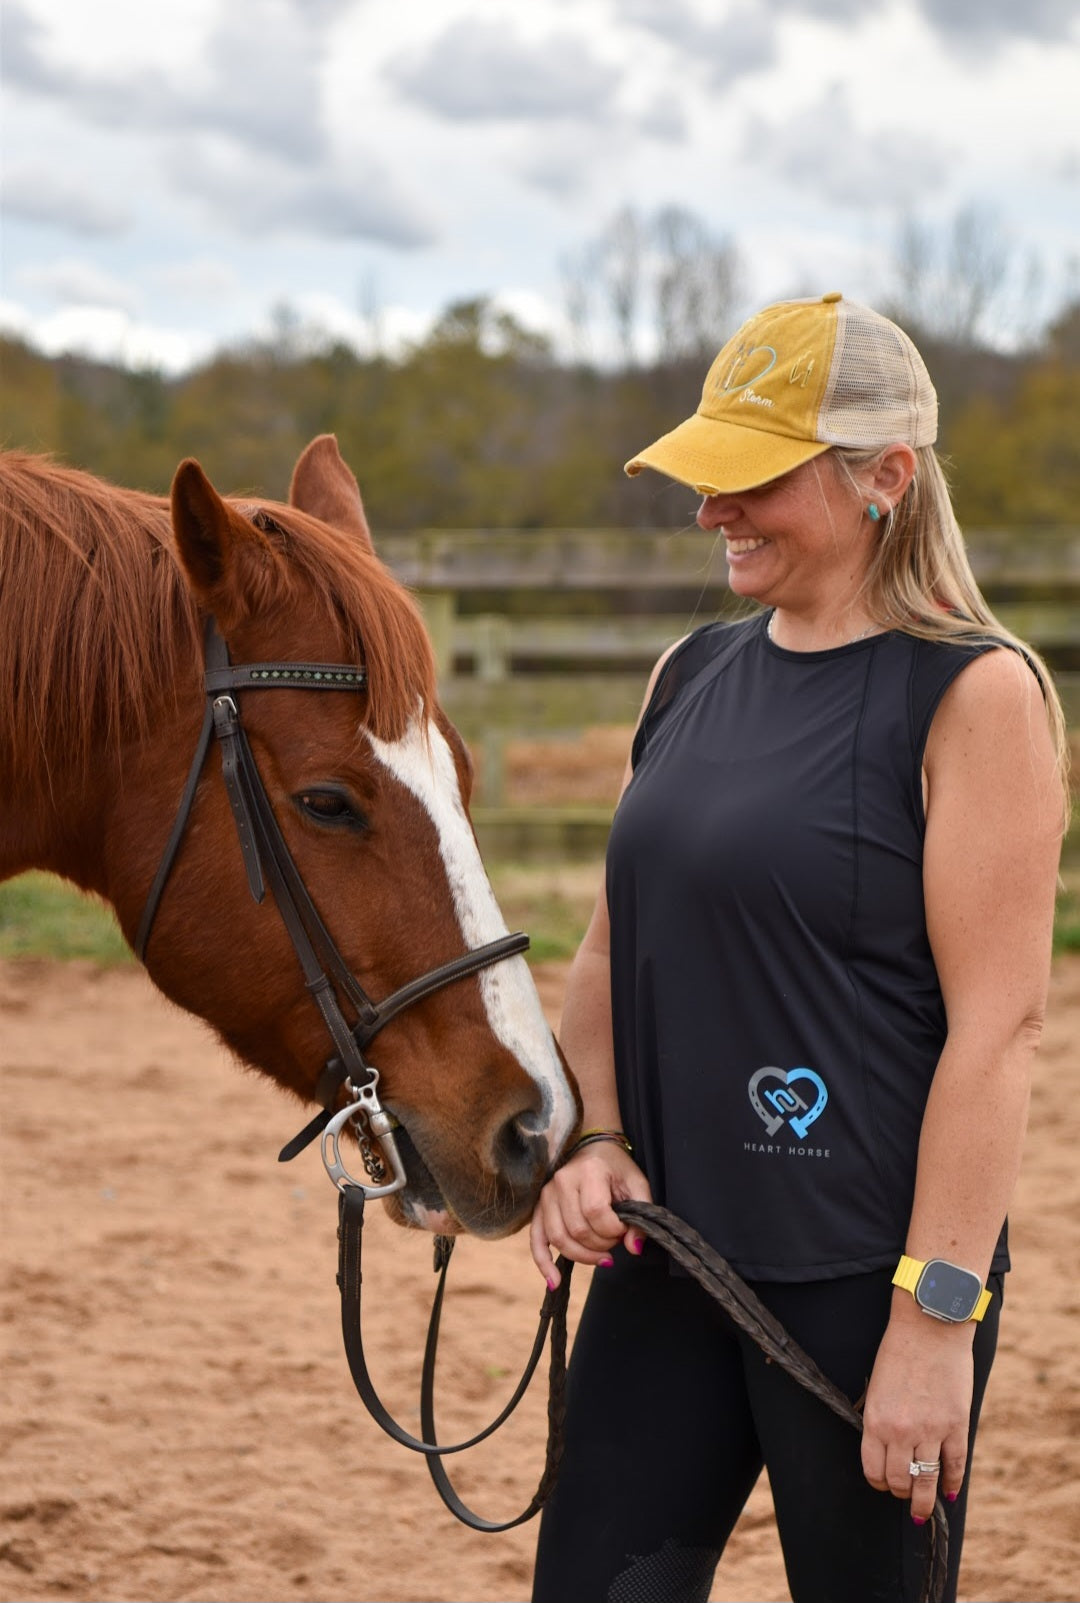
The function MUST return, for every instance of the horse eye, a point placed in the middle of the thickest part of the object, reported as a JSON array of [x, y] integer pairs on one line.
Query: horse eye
[[330, 807]]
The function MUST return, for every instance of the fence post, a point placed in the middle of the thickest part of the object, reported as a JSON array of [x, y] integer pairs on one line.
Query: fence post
[[438, 607], [491, 635], [491, 638]]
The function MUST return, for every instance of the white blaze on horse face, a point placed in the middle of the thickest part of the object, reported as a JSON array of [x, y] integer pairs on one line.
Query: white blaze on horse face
[[423, 762]]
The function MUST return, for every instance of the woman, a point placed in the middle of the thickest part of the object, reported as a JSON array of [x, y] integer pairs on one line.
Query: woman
[[805, 1011]]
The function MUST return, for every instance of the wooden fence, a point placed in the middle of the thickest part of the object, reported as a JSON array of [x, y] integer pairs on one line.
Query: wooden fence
[[550, 632]]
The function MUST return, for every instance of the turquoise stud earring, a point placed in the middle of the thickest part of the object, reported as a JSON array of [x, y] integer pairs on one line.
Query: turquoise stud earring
[[873, 512]]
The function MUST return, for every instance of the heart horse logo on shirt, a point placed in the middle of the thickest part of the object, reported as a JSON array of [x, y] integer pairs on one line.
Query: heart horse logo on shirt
[[777, 1104]]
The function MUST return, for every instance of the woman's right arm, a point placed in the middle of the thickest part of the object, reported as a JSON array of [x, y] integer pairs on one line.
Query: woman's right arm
[[574, 1214]]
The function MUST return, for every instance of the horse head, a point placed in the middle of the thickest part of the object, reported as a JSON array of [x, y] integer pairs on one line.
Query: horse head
[[370, 789]]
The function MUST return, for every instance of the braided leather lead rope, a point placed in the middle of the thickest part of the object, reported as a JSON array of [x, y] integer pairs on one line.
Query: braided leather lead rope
[[682, 1243]]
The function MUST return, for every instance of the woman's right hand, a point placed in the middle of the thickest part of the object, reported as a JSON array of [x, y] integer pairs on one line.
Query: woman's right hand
[[574, 1215]]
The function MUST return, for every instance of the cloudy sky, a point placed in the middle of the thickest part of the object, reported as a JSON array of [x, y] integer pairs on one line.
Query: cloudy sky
[[174, 170]]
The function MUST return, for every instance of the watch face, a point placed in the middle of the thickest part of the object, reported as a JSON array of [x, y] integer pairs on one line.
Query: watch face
[[947, 1291]]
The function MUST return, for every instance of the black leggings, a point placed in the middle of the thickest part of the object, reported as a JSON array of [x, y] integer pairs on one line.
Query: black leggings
[[673, 1413]]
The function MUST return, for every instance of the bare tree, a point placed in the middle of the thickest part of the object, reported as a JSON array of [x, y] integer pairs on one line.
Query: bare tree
[[977, 263], [665, 283], [369, 305], [575, 271], [951, 279], [622, 250], [695, 279]]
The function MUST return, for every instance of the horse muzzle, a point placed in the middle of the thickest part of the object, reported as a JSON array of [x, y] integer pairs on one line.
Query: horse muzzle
[[466, 1196]]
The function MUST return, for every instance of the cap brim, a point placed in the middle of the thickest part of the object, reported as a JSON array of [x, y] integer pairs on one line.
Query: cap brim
[[717, 458]]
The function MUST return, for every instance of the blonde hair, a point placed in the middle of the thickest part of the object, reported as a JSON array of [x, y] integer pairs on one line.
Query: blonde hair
[[920, 580]]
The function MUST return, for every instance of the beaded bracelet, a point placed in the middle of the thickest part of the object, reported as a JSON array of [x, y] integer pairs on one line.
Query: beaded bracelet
[[588, 1137]]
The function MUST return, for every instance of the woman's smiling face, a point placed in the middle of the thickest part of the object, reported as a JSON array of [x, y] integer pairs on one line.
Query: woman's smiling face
[[800, 540]]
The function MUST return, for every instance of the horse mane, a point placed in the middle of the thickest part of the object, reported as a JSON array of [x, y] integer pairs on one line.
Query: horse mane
[[97, 622], [380, 623]]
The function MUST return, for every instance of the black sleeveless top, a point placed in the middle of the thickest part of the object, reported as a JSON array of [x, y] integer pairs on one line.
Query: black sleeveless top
[[777, 1012]]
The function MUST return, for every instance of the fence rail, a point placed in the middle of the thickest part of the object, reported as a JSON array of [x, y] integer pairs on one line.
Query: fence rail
[[548, 632], [620, 560]]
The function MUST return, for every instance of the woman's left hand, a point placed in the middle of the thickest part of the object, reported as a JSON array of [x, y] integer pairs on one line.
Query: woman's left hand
[[918, 1406]]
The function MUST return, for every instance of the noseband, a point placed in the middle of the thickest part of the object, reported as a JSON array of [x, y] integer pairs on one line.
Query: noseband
[[267, 860]]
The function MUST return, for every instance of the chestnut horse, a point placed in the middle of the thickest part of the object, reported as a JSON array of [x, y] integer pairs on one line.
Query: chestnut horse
[[103, 602]]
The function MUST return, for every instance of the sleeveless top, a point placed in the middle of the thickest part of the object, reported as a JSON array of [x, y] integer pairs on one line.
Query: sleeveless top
[[777, 1012]]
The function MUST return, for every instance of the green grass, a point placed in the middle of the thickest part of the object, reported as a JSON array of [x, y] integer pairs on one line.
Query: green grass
[[42, 916], [552, 902]]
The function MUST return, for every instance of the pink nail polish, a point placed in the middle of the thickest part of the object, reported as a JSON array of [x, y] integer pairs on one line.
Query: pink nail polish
[[553, 1285], [636, 1247], [917, 1519], [950, 1497], [606, 1263]]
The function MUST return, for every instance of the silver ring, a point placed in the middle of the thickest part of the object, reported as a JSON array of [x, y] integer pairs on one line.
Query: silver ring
[[924, 1466]]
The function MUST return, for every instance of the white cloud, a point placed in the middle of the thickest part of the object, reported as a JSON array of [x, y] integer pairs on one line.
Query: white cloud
[[74, 282], [255, 194], [106, 336], [742, 41], [110, 37], [831, 10], [994, 23], [481, 70], [258, 80], [209, 159], [821, 150], [204, 278], [664, 118], [559, 161], [38, 195], [988, 24]]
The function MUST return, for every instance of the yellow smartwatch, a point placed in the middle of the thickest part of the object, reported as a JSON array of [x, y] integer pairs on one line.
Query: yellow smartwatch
[[942, 1289]]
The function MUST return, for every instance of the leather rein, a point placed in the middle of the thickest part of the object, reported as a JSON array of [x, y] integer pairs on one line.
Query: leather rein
[[693, 1254], [267, 860]]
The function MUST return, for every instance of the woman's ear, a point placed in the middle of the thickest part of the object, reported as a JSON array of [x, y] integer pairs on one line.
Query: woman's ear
[[891, 474]]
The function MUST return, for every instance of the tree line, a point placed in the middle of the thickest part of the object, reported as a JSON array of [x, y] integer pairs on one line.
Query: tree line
[[481, 425]]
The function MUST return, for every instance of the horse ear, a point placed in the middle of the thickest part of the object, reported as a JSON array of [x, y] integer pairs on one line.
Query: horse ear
[[212, 540], [323, 485]]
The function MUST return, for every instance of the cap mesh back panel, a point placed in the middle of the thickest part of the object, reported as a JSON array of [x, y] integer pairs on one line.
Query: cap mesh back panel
[[878, 389]]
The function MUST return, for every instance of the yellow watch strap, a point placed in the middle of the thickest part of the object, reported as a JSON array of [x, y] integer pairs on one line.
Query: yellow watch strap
[[907, 1275]]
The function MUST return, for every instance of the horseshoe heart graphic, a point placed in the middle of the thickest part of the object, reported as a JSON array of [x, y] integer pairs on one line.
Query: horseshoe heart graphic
[[779, 1103]]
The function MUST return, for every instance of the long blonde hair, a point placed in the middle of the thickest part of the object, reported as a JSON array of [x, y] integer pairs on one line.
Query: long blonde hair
[[920, 580]]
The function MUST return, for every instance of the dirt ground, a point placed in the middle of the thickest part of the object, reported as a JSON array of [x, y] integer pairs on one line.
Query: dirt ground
[[177, 1417]]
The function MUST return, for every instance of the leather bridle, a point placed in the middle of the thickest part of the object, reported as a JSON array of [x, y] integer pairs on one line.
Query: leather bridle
[[267, 860]]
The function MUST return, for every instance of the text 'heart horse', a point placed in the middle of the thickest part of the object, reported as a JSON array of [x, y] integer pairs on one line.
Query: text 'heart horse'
[[129, 640]]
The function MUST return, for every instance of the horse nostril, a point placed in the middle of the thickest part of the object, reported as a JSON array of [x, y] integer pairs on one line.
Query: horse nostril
[[518, 1154]]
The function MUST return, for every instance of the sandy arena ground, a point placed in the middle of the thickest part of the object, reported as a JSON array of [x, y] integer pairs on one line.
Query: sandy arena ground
[[177, 1417]]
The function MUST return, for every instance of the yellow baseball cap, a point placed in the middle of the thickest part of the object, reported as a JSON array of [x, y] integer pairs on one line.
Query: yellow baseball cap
[[797, 378]]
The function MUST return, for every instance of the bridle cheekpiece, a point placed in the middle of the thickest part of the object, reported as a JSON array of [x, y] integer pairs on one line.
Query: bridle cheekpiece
[[267, 859]]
